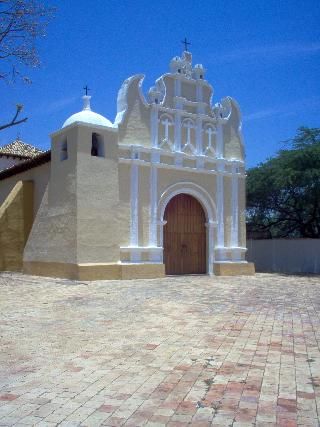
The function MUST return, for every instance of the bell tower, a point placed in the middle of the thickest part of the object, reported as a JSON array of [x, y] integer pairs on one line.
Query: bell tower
[[76, 234]]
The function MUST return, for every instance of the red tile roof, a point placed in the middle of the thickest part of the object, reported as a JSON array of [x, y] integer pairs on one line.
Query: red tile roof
[[19, 148]]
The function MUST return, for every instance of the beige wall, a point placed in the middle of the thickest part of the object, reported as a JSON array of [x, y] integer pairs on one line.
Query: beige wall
[[144, 205], [135, 126], [40, 177], [97, 200], [168, 177], [124, 207], [78, 218], [16, 216]]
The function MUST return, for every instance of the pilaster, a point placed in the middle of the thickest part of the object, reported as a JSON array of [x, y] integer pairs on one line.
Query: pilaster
[[134, 198], [154, 125], [234, 208], [177, 131]]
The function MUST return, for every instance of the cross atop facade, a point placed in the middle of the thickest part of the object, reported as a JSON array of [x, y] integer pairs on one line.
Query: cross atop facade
[[86, 89], [186, 43]]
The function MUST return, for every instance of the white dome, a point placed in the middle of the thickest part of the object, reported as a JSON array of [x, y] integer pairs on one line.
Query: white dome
[[87, 116]]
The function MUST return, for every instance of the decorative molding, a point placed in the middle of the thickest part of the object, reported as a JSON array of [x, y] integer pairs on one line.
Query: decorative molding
[[208, 206], [134, 201], [222, 254], [178, 165], [161, 224], [154, 125], [166, 120], [141, 249], [199, 131], [187, 145], [220, 210], [177, 131], [220, 141], [143, 149], [153, 234], [194, 190], [210, 225], [199, 91], [234, 207], [177, 87]]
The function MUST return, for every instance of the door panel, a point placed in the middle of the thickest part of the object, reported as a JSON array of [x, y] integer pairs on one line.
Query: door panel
[[184, 236]]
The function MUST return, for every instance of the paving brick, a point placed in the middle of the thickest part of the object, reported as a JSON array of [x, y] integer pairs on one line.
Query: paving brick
[[193, 350]]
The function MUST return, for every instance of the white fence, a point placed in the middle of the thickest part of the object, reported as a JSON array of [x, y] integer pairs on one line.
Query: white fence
[[285, 255]]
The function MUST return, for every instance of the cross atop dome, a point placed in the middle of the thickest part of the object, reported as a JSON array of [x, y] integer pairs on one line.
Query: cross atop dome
[[186, 43], [87, 115], [86, 89]]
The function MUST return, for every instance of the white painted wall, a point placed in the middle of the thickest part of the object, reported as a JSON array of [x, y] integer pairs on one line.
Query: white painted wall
[[285, 255]]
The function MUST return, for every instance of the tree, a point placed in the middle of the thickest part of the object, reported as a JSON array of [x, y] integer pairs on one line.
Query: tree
[[22, 22], [283, 193]]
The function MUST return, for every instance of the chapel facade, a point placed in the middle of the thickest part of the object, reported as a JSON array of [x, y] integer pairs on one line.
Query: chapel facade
[[159, 191]]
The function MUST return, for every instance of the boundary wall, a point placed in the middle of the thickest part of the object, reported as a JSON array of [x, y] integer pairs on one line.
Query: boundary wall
[[285, 255]]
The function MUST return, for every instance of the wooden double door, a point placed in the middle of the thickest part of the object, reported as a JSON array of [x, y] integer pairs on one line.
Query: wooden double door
[[184, 236]]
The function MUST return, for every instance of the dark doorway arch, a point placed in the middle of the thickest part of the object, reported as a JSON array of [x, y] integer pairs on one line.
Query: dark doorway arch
[[184, 236]]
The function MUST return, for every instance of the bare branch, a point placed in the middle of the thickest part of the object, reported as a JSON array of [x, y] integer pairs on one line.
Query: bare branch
[[14, 120], [22, 23]]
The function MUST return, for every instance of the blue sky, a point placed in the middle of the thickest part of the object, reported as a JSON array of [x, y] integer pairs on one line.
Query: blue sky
[[265, 54]]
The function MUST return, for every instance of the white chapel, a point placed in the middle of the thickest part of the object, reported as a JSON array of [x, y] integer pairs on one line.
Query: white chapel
[[159, 191]]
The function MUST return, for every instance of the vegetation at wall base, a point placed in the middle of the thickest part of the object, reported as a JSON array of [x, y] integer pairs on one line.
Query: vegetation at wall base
[[283, 193]]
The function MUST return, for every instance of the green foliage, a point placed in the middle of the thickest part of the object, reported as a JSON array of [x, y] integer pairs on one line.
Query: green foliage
[[283, 193]]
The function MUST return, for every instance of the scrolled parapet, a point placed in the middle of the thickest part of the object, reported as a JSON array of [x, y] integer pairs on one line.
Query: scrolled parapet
[[128, 94], [222, 110]]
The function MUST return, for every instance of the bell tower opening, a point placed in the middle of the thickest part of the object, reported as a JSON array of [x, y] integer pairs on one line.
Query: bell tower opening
[[97, 146]]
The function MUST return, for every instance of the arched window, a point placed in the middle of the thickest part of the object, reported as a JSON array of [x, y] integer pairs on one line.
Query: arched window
[[97, 145], [64, 150]]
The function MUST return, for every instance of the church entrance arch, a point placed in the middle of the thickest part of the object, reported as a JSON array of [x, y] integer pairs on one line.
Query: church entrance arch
[[184, 236]]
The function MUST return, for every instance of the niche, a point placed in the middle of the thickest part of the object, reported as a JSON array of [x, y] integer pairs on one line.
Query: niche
[[64, 150], [97, 145]]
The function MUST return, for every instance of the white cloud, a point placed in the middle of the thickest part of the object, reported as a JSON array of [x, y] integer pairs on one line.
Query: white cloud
[[284, 110], [271, 51], [55, 106]]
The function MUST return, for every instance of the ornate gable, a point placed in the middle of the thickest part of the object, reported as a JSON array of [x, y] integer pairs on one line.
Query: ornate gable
[[178, 114]]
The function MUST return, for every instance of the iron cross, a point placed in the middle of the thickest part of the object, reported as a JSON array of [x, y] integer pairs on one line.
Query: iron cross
[[86, 89], [185, 42]]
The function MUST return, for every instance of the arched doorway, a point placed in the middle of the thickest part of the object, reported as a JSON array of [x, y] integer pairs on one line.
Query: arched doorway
[[184, 236]]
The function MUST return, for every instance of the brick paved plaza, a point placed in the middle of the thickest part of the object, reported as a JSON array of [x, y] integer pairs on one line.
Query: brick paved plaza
[[177, 351]]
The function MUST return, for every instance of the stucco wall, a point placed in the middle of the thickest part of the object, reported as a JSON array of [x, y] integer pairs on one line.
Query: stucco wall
[[285, 255], [144, 205], [16, 216], [40, 177], [124, 204], [167, 177], [78, 218]]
